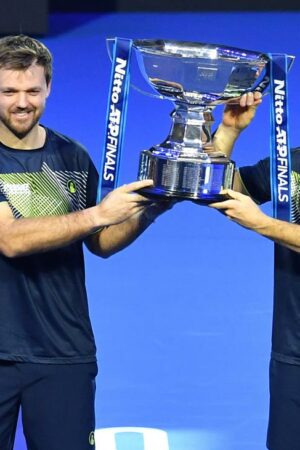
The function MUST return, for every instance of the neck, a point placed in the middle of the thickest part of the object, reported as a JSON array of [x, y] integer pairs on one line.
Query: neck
[[33, 140]]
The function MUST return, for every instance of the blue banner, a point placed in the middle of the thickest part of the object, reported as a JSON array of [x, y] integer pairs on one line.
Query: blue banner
[[115, 117], [280, 160]]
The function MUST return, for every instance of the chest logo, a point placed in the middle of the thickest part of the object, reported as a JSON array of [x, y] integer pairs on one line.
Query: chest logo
[[72, 188]]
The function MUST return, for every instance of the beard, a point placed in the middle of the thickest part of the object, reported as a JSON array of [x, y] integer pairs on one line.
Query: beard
[[21, 128]]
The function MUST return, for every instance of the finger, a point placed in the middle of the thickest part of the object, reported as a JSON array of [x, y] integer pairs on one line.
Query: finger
[[138, 198], [249, 99], [246, 99], [234, 195], [257, 96], [228, 193], [220, 205], [137, 210], [243, 100], [136, 185]]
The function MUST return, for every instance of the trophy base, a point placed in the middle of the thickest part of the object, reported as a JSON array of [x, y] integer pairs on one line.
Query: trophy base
[[203, 200], [197, 178]]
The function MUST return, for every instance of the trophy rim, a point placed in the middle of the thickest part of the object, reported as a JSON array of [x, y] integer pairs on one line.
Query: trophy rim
[[187, 51], [184, 49]]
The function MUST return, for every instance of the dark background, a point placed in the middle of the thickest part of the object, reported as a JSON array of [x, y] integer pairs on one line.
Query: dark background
[[31, 16], [171, 5]]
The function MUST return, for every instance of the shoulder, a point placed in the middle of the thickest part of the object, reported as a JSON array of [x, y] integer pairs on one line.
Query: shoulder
[[295, 152], [67, 151], [65, 143]]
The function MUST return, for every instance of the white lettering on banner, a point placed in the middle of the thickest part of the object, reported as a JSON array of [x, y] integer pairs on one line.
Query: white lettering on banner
[[281, 141], [114, 121], [154, 439]]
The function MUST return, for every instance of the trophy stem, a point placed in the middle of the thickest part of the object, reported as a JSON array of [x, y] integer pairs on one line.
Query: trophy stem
[[190, 133]]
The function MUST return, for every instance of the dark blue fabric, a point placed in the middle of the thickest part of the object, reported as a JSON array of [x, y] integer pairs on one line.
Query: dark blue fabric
[[286, 316], [43, 302], [57, 404], [284, 418]]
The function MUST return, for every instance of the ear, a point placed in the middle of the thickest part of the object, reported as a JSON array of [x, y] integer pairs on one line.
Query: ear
[[48, 89]]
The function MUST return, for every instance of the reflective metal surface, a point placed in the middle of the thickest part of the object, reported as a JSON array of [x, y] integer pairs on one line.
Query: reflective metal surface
[[199, 74], [196, 77]]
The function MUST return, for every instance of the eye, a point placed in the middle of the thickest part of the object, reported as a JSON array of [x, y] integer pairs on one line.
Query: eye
[[34, 92], [8, 92]]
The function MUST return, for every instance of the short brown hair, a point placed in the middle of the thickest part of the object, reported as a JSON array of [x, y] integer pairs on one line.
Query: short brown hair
[[19, 52]]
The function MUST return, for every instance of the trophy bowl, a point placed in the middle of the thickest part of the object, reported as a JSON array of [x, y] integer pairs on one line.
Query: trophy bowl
[[196, 77]]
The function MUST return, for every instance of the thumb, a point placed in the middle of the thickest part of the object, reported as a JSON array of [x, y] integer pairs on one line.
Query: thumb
[[231, 194]]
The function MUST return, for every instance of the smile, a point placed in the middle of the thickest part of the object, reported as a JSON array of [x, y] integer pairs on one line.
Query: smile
[[22, 114]]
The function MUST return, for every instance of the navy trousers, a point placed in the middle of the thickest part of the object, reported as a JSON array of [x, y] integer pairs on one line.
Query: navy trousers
[[284, 419], [57, 405]]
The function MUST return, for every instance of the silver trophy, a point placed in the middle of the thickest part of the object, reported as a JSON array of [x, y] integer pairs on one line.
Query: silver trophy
[[196, 77]]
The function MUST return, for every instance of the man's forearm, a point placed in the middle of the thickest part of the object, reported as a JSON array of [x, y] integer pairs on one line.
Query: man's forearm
[[284, 233], [31, 235], [24, 236], [114, 238], [224, 139], [244, 211]]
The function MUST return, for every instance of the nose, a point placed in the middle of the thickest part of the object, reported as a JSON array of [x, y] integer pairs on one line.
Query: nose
[[22, 100]]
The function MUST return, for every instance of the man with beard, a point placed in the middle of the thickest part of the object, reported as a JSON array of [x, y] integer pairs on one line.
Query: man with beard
[[48, 208], [251, 188]]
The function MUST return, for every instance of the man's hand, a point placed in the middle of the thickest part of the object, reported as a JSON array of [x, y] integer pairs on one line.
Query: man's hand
[[241, 209], [236, 117], [122, 203], [239, 115], [158, 207], [140, 212]]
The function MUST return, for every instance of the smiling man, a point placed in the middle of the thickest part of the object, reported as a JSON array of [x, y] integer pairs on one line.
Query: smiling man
[[48, 188], [23, 98]]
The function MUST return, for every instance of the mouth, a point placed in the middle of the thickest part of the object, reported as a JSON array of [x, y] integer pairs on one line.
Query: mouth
[[21, 114]]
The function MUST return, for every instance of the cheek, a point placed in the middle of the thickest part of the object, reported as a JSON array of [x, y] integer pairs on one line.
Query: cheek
[[5, 106], [40, 102], [37, 103]]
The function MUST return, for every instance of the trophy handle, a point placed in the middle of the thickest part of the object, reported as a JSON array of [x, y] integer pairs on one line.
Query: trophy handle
[[109, 46], [141, 91], [263, 85]]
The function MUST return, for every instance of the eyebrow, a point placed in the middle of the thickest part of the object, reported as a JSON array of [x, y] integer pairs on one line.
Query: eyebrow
[[13, 89]]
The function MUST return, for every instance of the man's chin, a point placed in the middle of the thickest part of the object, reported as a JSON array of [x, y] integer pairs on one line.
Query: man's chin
[[21, 132]]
